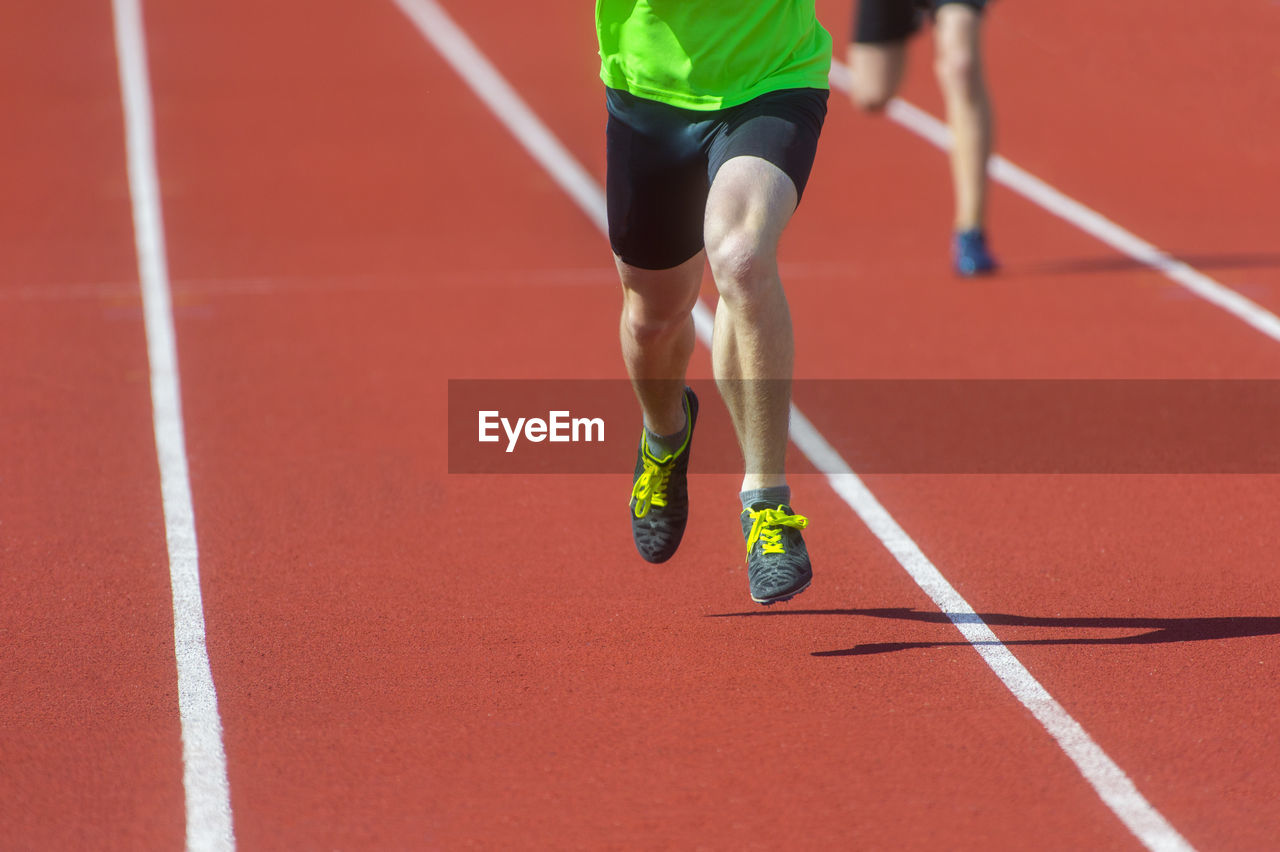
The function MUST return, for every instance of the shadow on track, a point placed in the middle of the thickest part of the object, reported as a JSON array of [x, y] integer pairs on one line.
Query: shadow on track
[[1156, 630]]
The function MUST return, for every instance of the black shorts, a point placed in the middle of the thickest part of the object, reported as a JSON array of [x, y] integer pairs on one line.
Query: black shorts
[[884, 21], [662, 160]]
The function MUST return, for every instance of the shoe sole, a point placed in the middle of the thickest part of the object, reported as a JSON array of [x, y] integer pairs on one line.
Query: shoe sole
[[965, 269], [781, 598]]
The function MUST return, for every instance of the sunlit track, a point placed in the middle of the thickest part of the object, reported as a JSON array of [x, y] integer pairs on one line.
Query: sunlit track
[[252, 601], [208, 800], [1083, 217], [1111, 783]]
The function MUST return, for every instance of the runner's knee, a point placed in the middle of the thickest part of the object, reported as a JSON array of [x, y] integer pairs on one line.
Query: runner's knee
[[665, 311], [742, 262], [869, 96], [646, 327], [958, 71], [875, 72], [958, 61]]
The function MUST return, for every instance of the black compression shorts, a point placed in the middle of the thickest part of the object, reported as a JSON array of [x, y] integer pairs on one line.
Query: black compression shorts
[[662, 160], [884, 21]]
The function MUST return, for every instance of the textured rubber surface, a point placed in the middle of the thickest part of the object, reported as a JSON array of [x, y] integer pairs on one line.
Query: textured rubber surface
[[407, 659]]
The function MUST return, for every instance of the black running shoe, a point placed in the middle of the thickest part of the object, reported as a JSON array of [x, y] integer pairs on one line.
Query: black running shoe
[[777, 561], [660, 494]]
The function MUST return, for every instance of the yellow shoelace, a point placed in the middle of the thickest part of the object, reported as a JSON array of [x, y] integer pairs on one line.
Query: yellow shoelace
[[765, 527], [651, 486]]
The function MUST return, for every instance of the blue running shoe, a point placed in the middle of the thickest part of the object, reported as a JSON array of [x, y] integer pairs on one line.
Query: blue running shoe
[[969, 252]]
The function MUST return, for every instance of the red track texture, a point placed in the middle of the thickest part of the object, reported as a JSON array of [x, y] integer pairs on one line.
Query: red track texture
[[406, 658]]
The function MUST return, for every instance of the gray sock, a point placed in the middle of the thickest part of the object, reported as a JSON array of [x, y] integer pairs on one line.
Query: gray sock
[[774, 495], [664, 445]]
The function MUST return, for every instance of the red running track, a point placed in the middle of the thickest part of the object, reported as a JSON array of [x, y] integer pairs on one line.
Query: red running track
[[89, 734], [410, 659]]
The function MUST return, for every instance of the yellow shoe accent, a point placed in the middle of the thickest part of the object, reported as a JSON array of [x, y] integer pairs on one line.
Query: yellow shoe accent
[[650, 488], [764, 527]]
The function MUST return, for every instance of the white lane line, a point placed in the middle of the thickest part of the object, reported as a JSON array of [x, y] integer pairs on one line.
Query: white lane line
[[1107, 778], [1110, 782], [493, 89], [204, 762], [1085, 218]]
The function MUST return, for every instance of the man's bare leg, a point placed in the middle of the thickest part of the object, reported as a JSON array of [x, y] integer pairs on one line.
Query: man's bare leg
[[877, 71], [750, 202], [753, 349], [657, 337], [958, 66]]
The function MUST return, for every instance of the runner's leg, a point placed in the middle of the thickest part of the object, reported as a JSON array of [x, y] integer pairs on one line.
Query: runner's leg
[[878, 51], [750, 203], [958, 66], [876, 71], [657, 336]]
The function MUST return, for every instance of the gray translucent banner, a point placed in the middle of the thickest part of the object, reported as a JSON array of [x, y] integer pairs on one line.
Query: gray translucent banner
[[892, 426]]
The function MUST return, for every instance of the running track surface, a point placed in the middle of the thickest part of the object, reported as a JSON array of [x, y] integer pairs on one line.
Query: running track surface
[[410, 659]]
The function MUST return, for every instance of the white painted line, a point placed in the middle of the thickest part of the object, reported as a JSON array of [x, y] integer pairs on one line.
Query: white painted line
[[1086, 219], [1110, 782], [493, 89], [204, 774], [1106, 777]]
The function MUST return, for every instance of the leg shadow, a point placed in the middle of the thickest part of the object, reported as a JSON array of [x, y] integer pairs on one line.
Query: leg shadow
[[1154, 631]]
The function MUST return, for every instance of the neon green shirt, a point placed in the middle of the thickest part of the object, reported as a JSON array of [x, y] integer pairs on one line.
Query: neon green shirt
[[711, 54]]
